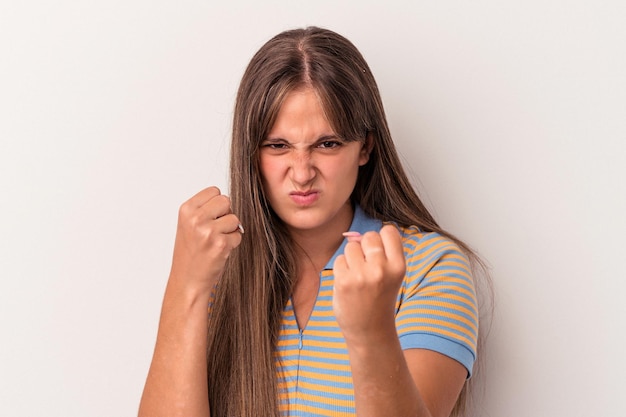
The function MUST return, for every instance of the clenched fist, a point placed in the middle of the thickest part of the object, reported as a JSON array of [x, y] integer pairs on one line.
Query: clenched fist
[[207, 232], [367, 280]]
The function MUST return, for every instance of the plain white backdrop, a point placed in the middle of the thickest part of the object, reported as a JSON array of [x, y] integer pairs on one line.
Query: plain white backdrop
[[509, 115]]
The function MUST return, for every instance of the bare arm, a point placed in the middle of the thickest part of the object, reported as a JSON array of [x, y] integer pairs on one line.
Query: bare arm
[[177, 380], [417, 382], [387, 381]]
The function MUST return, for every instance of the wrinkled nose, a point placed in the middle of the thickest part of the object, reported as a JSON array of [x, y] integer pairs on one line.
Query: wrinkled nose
[[302, 168]]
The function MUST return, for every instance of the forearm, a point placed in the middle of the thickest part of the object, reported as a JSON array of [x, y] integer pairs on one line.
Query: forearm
[[177, 380], [382, 381]]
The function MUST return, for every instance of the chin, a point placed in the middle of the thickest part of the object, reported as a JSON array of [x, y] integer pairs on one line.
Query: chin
[[304, 221], [309, 224]]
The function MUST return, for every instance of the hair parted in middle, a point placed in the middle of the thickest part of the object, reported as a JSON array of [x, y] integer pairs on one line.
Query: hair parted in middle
[[260, 274]]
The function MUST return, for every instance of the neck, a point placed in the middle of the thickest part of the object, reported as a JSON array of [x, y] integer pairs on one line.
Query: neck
[[319, 245]]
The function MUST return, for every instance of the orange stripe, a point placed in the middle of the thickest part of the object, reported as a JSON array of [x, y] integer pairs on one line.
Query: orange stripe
[[320, 364], [320, 387], [434, 313], [439, 291], [439, 303], [443, 323]]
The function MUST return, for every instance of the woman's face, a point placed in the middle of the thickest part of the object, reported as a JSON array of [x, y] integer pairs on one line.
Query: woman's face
[[309, 172]]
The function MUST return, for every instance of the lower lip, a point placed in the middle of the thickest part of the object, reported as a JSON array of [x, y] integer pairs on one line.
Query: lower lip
[[304, 199]]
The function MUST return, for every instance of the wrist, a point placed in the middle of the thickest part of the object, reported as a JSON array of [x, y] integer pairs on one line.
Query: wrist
[[188, 294], [384, 336]]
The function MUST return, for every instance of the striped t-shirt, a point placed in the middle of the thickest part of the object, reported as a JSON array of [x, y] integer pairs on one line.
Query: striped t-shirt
[[436, 310]]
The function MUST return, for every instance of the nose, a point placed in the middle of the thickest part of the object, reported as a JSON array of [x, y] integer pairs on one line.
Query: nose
[[302, 170]]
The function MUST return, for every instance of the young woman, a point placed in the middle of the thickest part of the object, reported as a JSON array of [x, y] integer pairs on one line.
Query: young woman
[[343, 297]]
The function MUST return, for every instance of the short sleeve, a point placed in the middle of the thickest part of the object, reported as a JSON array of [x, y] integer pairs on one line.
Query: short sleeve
[[436, 308]]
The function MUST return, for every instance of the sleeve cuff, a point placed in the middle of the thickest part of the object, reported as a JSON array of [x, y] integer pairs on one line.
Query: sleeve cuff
[[441, 345]]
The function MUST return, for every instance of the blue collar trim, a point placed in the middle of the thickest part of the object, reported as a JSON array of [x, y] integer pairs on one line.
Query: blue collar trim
[[361, 223]]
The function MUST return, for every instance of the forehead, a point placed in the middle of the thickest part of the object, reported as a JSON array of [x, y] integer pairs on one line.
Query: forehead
[[301, 113], [302, 99]]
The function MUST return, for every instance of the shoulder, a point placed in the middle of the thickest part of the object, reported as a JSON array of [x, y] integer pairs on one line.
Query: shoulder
[[436, 266], [437, 306], [429, 247]]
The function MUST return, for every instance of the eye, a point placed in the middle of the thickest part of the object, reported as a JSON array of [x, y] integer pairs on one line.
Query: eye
[[274, 145], [329, 144]]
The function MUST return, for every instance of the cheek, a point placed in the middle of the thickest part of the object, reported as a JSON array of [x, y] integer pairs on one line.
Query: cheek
[[265, 167], [343, 172], [351, 165], [269, 169]]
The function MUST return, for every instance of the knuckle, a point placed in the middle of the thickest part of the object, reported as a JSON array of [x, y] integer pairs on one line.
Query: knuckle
[[222, 201], [230, 221], [377, 272], [370, 237], [237, 238], [232, 218], [192, 222], [184, 209], [211, 192], [219, 242], [219, 248], [356, 281], [397, 274], [224, 244]]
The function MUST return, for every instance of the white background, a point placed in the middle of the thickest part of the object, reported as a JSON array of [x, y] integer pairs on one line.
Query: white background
[[510, 116]]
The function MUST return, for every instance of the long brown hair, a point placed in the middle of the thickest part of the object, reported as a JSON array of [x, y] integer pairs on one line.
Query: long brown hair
[[259, 277]]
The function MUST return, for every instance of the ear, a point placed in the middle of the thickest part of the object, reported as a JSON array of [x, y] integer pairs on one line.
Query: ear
[[366, 149]]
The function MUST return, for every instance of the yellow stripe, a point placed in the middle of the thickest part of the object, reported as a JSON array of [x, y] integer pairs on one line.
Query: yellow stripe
[[447, 275], [439, 303], [435, 313], [439, 291], [326, 313], [435, 293], [327, 355], [314, 410], [320, 333], [436, 245], [324, 400], [439, 244], [443, 269], [324, 303], [439, 322], [439, 278], [319, 323], [320, 387], [326, 377], [321, 365], [290, 352]]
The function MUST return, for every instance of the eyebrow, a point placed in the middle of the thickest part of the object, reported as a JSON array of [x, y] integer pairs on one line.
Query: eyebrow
[[322, 138], [328, 137]]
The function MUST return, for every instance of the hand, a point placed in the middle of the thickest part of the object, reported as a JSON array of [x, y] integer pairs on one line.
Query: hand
[[207, 232], [367, 280]]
